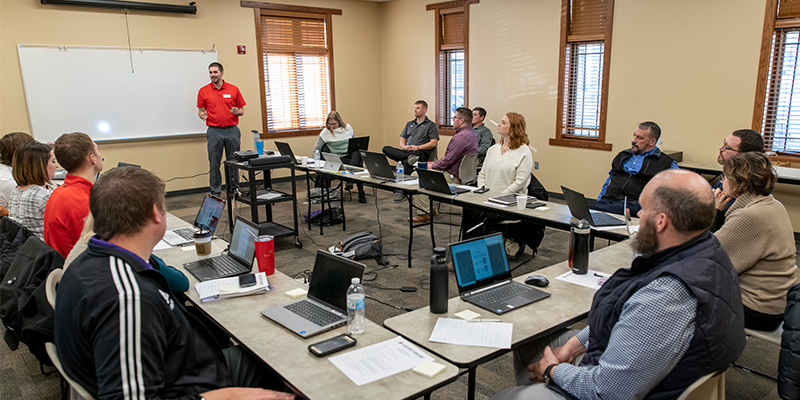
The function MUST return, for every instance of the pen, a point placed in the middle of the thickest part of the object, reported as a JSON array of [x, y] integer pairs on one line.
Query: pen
[[596, 274], [484, 320]]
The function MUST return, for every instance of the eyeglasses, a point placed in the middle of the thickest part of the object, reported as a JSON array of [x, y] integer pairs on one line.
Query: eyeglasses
[[729, 148]]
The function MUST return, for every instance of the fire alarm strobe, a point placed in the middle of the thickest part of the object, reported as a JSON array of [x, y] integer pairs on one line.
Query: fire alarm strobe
[[241, 49]]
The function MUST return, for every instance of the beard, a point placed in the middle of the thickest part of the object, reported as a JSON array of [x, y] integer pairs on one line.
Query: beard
[[646, 241]]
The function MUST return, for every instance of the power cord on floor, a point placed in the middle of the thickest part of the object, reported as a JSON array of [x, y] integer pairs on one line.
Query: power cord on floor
[[391, 305]]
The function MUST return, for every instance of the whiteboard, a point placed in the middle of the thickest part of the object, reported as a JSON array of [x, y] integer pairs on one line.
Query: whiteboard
[[93, 90]]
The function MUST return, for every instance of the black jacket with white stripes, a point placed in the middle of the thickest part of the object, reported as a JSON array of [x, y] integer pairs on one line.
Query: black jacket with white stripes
[[120, 333]]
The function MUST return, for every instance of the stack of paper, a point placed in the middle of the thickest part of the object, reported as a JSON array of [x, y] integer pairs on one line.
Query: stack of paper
[[224, 288]]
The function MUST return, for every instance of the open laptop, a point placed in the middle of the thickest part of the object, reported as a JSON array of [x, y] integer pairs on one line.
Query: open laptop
[[578, 208], [286, 150], [325, 307], [238, 260], [378, 166], [333, 163], [358, 144], [483, 276], [436, 182], [206, 220]]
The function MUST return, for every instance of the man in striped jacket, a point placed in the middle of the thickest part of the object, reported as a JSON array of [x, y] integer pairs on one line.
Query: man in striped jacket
[[119, 331]]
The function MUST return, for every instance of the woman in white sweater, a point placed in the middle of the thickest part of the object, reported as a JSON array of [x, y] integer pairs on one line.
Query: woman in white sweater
[[335, 138], [507, 168]]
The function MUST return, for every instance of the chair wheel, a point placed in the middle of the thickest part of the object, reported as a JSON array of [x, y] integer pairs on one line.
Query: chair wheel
[[298, 243]]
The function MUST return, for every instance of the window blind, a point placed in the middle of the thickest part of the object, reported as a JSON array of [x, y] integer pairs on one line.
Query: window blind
[[781, 122], [451, 64], [583, 85], [587, 18]]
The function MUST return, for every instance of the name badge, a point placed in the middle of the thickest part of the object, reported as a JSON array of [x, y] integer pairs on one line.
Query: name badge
[[226, 96]]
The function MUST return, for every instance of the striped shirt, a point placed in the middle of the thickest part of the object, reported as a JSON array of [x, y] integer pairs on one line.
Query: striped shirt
[[27, 208]]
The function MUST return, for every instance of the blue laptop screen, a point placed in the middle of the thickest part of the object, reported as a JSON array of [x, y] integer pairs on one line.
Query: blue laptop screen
[[479, 260], [209, 214]]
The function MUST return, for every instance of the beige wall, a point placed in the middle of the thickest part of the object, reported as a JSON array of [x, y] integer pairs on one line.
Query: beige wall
[[222, 23], [688, 65]]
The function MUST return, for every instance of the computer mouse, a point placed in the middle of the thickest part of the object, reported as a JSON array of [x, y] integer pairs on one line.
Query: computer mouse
[[269, 152], [537, 280]]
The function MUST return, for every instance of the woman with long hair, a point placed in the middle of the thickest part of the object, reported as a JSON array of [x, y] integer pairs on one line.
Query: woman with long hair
[[335, 138], [33, 166], [507, 168]]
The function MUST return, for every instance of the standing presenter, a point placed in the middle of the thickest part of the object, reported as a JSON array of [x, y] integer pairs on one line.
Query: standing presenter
[[220, 105]]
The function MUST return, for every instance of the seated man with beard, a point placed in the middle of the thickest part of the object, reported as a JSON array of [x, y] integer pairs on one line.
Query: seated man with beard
[[674, 316]]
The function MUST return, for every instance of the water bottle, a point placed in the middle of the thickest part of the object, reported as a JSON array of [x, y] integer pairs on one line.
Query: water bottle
[[356, 320], [439, 281], [579, 247], [259, 144], [400, 174], [316, 159]]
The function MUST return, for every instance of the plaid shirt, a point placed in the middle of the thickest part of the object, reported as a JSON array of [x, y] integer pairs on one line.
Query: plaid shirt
[[27, 208]]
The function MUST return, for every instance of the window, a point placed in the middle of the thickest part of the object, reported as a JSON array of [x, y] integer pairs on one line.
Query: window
[[452, 49], [295, 67], [777, 110], [583, 73]]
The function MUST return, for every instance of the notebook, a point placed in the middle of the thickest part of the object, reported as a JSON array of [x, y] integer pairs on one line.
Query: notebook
[[435, 181], [357, 144], [578, 208], [378, 166], [206, 220], [484, 279], [238, 260], [286, 150], [325, 306], [334, 164], [510, 199]]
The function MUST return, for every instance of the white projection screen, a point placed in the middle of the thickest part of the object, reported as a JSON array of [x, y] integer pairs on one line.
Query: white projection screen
[[95, 90]]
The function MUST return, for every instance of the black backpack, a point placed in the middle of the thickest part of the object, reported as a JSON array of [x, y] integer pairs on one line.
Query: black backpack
[[360, 246]]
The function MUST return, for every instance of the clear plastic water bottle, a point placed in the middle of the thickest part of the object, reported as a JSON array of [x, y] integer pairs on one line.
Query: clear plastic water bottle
[[316, 159], [356, 319], [400, 172]]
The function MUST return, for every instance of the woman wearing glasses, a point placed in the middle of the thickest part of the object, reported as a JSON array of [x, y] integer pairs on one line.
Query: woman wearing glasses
[[758, 236]]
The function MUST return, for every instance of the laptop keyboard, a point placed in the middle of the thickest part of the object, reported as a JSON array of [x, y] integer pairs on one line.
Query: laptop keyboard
[[603, 219], [499, 293], [185, 233], [313, 313], [223, 266]]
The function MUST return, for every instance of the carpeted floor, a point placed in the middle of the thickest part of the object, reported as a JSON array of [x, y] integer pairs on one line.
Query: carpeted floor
[[19, 371]]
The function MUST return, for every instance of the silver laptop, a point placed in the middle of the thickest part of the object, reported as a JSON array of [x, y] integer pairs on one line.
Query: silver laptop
[[238, 260], [206, 220], [578, 208], [325, 307], [379, 168], [333, 163], [483, 276]]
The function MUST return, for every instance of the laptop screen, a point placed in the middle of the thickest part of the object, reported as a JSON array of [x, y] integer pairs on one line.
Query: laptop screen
[[209, 214], [480, 261], [243, 244], [331, 278]]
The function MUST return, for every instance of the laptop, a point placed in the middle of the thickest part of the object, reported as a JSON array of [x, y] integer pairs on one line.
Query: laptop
[[357, 144], [206, 220], [436, 182], [238, 260], [286, 150], [334, 164], [325, 306], [378, 166], [483, 276], [511, 199], [578, 208]]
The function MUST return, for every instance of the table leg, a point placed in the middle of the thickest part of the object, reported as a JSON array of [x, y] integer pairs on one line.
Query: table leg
[[308, 188], [230, 201], [251, 174], [410, 226], [430, 204], [471, 384], [324, 192]]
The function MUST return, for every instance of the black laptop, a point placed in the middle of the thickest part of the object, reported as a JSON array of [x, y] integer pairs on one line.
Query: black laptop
[[286, 150], [435, 181], [483, 276], [358, 144], [378, 166], [578, 208], [238, 260]]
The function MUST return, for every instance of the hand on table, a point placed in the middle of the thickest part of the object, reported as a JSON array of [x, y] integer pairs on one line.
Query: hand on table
[[236, 393]]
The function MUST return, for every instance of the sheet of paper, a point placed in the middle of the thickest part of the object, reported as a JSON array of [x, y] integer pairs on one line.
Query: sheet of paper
[[467, 314], [162, 244], [269, 196], [225, 287], [481, 334], [470, 188], [364, 172], [380, 360], [409, 182], [634, 228], [498, 205], [591, 279]]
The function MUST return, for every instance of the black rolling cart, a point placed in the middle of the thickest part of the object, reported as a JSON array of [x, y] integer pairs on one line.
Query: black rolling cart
[[254, 196]]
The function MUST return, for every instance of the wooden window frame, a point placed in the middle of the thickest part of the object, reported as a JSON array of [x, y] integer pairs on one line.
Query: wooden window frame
[[763, 85], [285, 10], [441, 9], [566, 39]]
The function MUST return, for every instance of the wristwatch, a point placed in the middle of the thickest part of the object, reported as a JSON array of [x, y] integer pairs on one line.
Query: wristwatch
[[547, 379]]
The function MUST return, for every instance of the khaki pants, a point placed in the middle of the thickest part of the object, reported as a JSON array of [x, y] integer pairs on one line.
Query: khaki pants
[[423, 203]]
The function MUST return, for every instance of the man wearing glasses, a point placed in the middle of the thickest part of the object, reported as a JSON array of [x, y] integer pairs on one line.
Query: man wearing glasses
[[740, 141], [464, 142]]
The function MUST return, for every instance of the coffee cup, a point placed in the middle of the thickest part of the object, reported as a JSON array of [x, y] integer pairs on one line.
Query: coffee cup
[[304, 161], [202, 243], [522, 201]]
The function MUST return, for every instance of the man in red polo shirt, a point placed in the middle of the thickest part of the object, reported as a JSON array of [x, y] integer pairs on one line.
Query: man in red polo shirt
[[220, 104], [68, 206]]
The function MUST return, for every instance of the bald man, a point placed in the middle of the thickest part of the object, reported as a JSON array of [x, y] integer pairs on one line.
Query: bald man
[[674, 316]]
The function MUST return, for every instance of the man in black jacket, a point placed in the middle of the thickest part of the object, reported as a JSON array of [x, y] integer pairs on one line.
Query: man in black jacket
[[632, 169], [119, 331]]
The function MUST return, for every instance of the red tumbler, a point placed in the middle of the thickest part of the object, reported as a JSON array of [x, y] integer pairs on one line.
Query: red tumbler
[[265, 254]]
